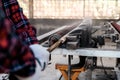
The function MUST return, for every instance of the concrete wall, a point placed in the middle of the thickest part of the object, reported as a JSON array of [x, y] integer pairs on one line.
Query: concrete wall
[[46, 25]]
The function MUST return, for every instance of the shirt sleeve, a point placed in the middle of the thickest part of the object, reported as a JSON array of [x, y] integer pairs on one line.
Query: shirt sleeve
[[22, 27], [14, 55]]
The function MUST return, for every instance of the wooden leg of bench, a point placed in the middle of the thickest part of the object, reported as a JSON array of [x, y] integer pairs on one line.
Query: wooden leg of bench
[[64, 70], [64, 73], [75, 75]]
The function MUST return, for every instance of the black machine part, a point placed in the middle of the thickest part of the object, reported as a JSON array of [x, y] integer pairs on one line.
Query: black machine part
[[85, 41], [80, 38]]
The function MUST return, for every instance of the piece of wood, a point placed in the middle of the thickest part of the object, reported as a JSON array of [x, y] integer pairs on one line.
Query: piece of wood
[[31, 9], [55, 45]]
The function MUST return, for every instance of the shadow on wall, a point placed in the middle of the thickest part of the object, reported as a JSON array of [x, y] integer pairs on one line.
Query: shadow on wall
[[46, 25]]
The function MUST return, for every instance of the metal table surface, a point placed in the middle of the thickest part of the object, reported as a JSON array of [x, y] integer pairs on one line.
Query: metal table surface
[[113, 53]]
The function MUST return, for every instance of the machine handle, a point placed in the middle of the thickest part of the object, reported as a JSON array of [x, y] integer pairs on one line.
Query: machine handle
[[55, 45]]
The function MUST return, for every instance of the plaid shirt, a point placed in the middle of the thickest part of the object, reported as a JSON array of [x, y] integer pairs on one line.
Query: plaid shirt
[[22, 27], [15, 55]]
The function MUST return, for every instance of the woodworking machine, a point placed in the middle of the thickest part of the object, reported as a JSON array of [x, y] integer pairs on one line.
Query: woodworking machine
[[85, 37]]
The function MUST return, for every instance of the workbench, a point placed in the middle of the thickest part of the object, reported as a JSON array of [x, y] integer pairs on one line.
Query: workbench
[[112, 53]]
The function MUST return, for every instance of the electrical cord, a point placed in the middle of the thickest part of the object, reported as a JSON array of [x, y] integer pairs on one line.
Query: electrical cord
[[108, 76]]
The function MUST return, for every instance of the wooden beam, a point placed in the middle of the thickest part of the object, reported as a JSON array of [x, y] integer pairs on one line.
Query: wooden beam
[[31, 9]]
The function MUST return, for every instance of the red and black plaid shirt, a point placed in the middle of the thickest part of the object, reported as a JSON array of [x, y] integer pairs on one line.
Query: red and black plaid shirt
[[15, 55]]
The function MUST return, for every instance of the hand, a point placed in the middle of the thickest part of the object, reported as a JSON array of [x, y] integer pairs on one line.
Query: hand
[[41, 54]]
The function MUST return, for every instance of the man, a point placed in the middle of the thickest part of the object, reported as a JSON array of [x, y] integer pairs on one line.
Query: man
[[21, 55]]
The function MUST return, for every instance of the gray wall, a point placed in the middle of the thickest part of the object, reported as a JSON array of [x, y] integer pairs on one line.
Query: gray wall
[[46, 25]]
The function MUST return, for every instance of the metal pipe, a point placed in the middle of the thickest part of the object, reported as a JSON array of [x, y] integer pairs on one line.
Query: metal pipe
[[60, 31]]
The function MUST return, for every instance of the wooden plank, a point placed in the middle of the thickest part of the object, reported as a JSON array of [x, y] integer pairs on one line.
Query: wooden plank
[[31, 9]]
